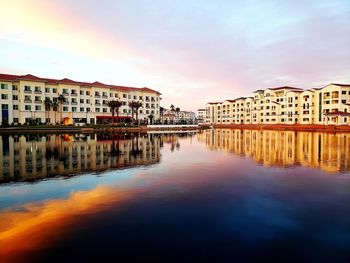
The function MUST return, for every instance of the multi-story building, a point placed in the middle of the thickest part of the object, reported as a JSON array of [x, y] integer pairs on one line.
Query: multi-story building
[[171, 116], [22, 100], [201, 115], [285, 105]]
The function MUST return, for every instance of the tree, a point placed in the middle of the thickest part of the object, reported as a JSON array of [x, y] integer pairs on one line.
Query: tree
[[55, 106], [138, 105], [60, 100], [161, 111], [113, 105], [132, 105], [48, 104], [172, 107], [177, 112]]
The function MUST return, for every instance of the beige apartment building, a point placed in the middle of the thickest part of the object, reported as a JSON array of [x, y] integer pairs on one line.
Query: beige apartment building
[[329, 105], [22, 100]]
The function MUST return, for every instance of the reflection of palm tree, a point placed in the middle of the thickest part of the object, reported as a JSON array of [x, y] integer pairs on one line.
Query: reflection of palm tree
[[115, 151]]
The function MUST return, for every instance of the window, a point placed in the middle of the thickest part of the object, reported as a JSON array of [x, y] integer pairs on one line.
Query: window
[[37, 107], [343, 92], [88, 101], [54, 90], [65, 91], [27, 89], [4, 86], [37, 98], [28, 107], [15, 120], [65, 108], [4, 96], [81, 92], [37, 89], [47, 90], [97, 109], [81, 109], [104, 109], [14, 87], [124, 96], [88, 93], [135, 97], [81, 100], [4, 107], [87, 109], [15, 107], [27, 98], [74, 109]]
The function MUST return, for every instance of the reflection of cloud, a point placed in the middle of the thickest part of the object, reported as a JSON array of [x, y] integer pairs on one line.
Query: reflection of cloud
[[39, 225]]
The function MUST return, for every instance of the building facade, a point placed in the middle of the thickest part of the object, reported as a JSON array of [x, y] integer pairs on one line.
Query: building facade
[[329, 105], [201, 115], [22, 100]]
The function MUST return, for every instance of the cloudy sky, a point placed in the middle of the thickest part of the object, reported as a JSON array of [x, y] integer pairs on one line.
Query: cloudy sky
[[192, 51]]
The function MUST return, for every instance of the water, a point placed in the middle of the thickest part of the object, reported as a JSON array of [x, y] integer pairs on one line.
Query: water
[[218, 196]]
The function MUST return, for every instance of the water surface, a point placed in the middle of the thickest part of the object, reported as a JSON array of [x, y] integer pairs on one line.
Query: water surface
[[219, 195]]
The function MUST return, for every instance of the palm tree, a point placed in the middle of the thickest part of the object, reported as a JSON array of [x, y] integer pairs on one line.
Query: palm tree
[[118, 104], [177, 112], [138, 105], [172, 107], [55, 106], [132, 105], [161, 111], [60, 100], [113, 105], [48, 104]]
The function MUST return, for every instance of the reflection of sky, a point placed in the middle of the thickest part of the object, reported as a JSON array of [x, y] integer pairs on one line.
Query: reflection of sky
[[213, 196]]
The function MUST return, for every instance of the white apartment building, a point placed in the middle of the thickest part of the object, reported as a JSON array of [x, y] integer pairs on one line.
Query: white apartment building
[[171, 116], [201, 115], [329, 105], [23, 96]]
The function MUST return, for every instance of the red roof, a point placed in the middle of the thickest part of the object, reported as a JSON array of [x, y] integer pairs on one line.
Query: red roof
[[342, 85], [285, 87], [9, 77]]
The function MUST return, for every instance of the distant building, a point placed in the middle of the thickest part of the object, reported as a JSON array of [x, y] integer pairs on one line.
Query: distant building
[[171, 116], [201, 115], [285, 105]]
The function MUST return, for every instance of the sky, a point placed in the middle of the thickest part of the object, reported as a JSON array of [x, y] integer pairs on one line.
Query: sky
[[192, 51]]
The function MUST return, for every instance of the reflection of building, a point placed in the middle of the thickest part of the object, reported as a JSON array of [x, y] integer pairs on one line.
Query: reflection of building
[[329, 152], [22, 100], [34, 157], [285, 105]]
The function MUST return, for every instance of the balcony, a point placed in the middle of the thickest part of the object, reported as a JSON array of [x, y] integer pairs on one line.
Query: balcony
[[97, 104], [28, 91], [38, 101], [65, 93], [74, 94], [74, 103], [37, 92], [97, 96], [105, 96], [27, 101]]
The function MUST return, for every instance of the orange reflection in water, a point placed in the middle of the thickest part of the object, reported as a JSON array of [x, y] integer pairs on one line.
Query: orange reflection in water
[[37, 226]]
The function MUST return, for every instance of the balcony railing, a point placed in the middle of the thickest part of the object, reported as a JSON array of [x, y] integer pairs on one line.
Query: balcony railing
[[28, 91]]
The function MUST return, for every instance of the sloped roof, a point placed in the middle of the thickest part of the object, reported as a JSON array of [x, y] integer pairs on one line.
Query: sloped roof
[[10, 77]]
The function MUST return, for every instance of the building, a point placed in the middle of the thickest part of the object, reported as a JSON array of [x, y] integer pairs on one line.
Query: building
[[201, 115], [329, 105], [23, 96], [171, 116]]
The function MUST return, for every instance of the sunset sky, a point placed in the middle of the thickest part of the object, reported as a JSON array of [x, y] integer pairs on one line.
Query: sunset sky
[[192, 51]]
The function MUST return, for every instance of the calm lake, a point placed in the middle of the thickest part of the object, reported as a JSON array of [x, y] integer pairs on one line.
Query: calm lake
[[213, 196]]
